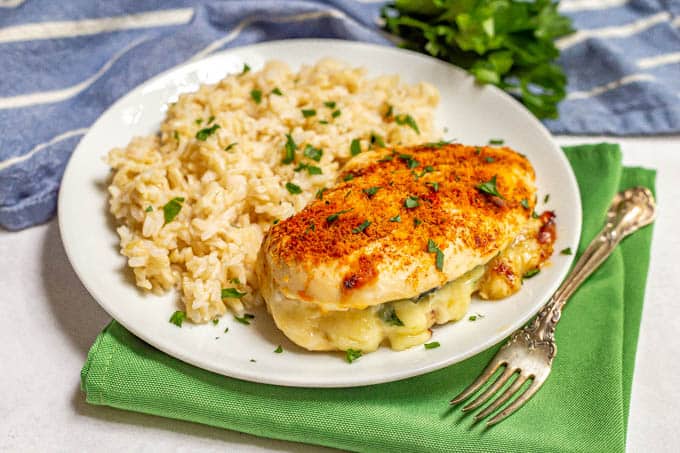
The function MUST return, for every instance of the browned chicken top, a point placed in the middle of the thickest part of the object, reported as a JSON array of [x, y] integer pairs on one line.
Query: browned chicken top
[[400, 222]]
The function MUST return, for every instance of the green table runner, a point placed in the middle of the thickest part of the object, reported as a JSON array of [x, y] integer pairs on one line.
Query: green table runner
[[582, 407]]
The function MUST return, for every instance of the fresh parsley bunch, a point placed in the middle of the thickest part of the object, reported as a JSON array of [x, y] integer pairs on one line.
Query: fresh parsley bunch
[[508, 43]]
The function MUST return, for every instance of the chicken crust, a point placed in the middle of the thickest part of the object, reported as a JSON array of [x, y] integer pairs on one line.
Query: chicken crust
[[374, 236]]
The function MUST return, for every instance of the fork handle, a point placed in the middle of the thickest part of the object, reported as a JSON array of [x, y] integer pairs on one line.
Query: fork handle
[[630, 210]]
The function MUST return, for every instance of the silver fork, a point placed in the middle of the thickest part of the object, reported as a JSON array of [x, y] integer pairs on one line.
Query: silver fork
[[530, 351]]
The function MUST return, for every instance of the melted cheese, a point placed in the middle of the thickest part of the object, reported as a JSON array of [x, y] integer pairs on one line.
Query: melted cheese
[[307, 324]]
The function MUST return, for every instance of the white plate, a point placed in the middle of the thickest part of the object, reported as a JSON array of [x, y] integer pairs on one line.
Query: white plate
[[472, 114]]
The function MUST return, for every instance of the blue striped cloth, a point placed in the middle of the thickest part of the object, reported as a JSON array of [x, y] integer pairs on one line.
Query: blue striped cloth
[[64, 62]]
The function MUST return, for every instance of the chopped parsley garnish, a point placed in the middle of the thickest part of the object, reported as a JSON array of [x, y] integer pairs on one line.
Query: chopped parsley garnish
[[396, 218], [245, 319], [172, 208], [478, 150], [432, 247], [211, 119], [230, 146], [246, 68], [496, 141], [198, 121], [323, 122], [329, 104], [256, 95], [434, 186], [308, 112], [475, 317], [389, 112], [387, 158], [276, 221], [278, 349], [417, 221], [411, 163], [524, 203], [319, 193], [293, 189], [333, 217], [148, 208], [405, 119], [489, 159], [389, 315], [226, 330], [432, 345], [361, 227], [355, 147], [253, 360], [489, 187], [546, 198], [231, 293], [439, 144], [277, 91], [531, 273], [289, 149], [313, 153], [178, 318], [311, 169], [235, 281], [377, 140], [175, 135], [371, 191], [535, 215], [566, 251], [310, 227], [204, 133], [348, 177], [215, 321], [411, 202], [336, 113], [352, 354]]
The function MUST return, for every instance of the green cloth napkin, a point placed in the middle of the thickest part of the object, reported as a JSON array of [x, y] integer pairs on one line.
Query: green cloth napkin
[[582, 407]]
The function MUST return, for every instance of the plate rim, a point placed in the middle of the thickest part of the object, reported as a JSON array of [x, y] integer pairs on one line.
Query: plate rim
[[392, 376]]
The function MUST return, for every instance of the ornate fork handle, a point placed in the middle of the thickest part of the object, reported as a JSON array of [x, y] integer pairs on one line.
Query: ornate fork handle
[[630, 210]]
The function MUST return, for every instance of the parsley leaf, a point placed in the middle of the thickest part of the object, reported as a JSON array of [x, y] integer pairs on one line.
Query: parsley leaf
[[489, 187], [148, 208], [178, 318], [293, 189], [336, 113], [277, 91], [411, 202], [566, 251], [355, 147], [313, 153], [348, 177], [434, 186], [278, 349], [531, 273], [203, 134], [329, 104], [361, 227], [432, 247], [389, 315], [396, 218], [231, 293], [432, 345], [172, 208], [230, 146], [524, 203], [246, 68], [319, 193], [289, 149], [308, 112], [408, 121], [352, 354], [489, 159], [333, 217], [496, 141], [245, 319], [377, 140], [546, 198], [371, 191], [256, 95]]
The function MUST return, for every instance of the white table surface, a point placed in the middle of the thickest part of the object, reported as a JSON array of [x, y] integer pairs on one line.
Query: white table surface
[[49, 321]]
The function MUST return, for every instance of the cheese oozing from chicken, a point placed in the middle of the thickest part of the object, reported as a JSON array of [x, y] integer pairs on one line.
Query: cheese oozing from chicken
[[402, 245]]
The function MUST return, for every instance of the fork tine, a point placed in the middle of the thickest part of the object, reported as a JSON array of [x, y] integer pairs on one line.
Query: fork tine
[[519, 402], [521, 379], [481, 379], [484, 397]]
